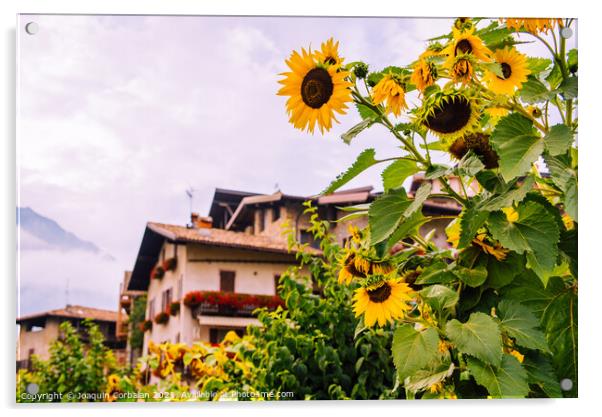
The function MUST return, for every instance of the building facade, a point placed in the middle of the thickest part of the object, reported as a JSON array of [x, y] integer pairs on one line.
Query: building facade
[[38, 331]]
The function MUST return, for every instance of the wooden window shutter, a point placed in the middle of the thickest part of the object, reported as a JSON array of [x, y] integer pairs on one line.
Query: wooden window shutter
[[226, 281]]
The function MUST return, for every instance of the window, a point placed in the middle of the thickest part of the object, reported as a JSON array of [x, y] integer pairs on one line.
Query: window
[[151, 309], [31, 352], [177, 339], [276, 281], [259, 218], [166, 299], [307, 237], [276, 213], [226, 281]]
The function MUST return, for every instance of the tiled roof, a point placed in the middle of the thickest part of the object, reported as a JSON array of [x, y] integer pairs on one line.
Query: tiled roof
[[220, 237], [72, 311]]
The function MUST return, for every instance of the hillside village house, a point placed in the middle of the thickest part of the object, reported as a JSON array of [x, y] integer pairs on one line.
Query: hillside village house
[[38, 331], [229, 262]]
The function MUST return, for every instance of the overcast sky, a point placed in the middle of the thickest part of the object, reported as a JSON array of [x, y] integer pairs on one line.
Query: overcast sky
[[118, 115]]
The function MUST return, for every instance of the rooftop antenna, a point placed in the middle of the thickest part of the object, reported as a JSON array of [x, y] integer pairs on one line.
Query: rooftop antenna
[[190, 193]]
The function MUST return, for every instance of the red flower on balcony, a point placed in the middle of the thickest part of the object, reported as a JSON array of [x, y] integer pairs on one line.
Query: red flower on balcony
[[170, 264], [162, 318], [158, 272], [174, 308], [146, 325], [232, 300]]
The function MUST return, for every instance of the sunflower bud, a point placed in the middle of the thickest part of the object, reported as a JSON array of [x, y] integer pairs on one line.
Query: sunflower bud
[[360, 70], [463, 23]]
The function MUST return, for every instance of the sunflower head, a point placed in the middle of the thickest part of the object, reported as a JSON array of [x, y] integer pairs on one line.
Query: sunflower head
[[494, 248], [466, 43], [463, 23], [315, 90], [462, 69], [478, 143], [496, 112], [532, 25], [348, 270], [424, 74], [382, 300], [514, 71], [390, 92], [360, 70], [329, 53], [449, 114]]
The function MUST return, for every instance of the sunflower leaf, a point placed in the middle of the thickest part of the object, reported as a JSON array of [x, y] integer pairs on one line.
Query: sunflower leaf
[[407, 226], [535, 232], [537, 65], [364, 161], [424, 378], [473, 277], [508, 198], [356, 130], [439, 297], [413, 350], [421, 194], [386, 213], [518, 322], [517, 145], [541, 373], [508, 380], [480, 337], [470, 222], [469, 165], [395, 174], [569, 88], [366, 113], [534, 91]]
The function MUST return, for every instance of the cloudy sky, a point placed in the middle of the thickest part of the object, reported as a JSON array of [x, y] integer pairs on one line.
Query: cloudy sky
[[118, 115]]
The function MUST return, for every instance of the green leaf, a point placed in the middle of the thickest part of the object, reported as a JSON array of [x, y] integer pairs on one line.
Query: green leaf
[[537, 65], [413, 350], [474, 277], [500, 274], [554, 77], [435, 171], [479, 337], [439, 297], [508, 380], [518, 322], [517, 145], [559, 320], [558, 140], [424, 378], [470, 222], [469, 165], [366, 113], [421, 194], [356, 130], [541, 373], [561, 171], [508, 198], [535, 232], [569, 88], [364, 161], [570, 198], [534, 91], [572, 60], [437, 273], [395, 174], [386, 213], [408, 226]]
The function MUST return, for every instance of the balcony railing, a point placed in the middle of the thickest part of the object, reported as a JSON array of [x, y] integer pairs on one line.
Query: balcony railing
[[24, 364]]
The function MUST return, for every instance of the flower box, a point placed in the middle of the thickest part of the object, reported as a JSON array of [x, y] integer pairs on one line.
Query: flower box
[[162, 318]]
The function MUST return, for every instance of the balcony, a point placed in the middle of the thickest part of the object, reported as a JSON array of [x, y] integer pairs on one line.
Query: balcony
[[218, 303]]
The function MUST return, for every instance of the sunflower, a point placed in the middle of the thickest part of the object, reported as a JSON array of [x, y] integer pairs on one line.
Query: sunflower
[[479, 144], [449, 114], [466, 43], [383, 301], [534, 111], [511, 214], [514, 71], [329, 53], [519, 356], [532, 25], [390, 89], [424, 75], [315, 90], [462, 70], [369, 266], [348, 270]]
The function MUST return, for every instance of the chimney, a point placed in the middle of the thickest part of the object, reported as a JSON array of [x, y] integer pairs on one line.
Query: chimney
[[200, 222]]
